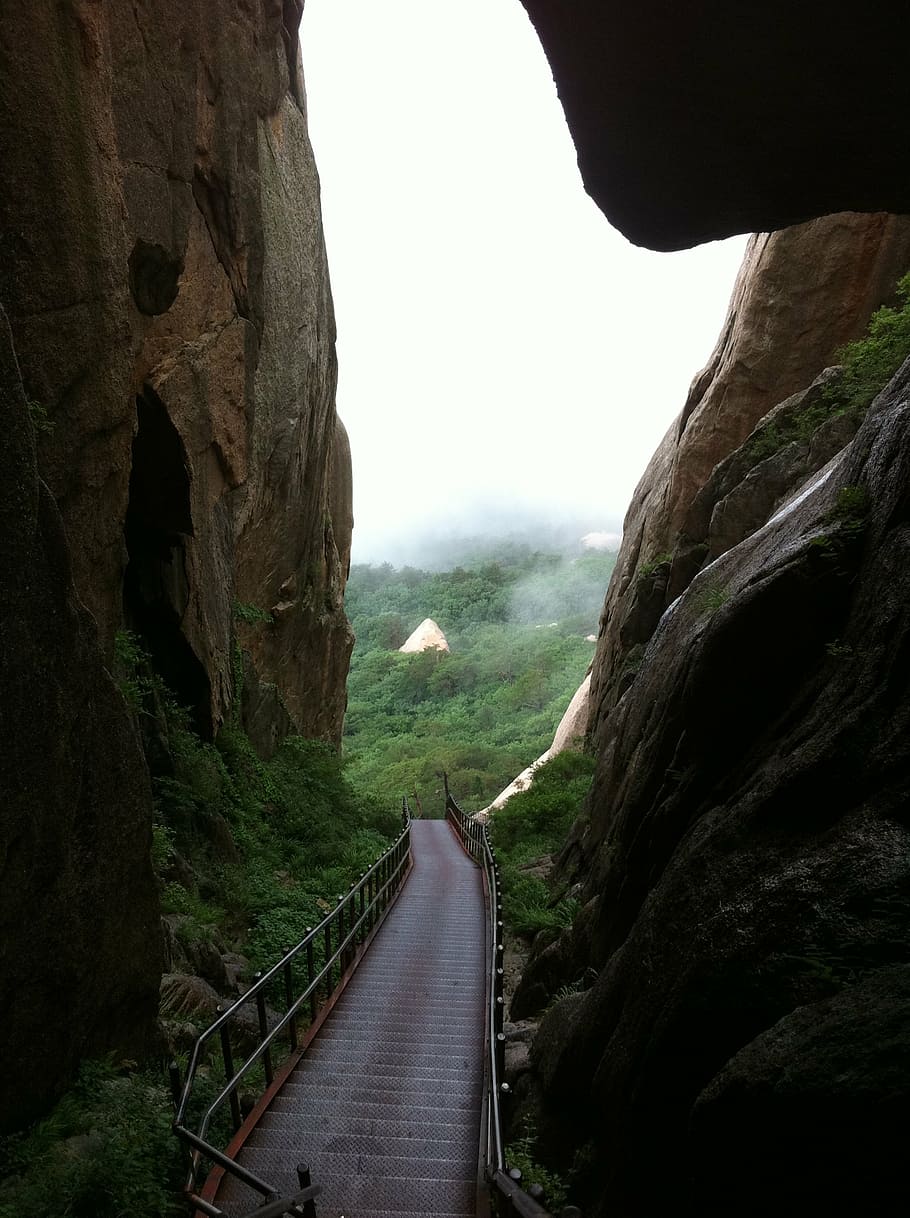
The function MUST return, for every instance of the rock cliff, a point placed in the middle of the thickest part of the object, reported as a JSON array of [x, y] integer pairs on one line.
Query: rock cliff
[[80, 950], [800, 295], [165, 277], [163, 270], [699, 120], [746, 898], [742, 860]]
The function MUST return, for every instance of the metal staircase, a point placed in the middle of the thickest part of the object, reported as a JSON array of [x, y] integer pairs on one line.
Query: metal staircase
[[387, 1106]]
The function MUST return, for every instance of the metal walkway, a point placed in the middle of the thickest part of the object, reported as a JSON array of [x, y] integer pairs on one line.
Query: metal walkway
[[385, 1106]]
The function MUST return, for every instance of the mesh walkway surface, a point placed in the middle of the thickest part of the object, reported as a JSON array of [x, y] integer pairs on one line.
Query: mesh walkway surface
[[385, 1105]]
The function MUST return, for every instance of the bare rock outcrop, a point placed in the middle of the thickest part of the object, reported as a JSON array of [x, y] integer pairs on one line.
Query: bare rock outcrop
[[800, 295], [427, 635], [80, 947], [700, 120], [166, 281]]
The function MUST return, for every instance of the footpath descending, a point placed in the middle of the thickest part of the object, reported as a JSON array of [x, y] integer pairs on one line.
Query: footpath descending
[[385, 1105]]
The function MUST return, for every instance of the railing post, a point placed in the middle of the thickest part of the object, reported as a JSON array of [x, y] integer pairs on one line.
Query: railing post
[[352, 922], [361, 907], [303, 1178], [263, 1031], [341, 950], [311, 973], [289, 999], [228, 1057], [371, 893], [329, 984]]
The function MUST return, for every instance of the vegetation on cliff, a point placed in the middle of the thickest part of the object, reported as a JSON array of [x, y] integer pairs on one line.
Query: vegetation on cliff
[[867, 365], [106, 1151], [531, 828], [246, 849]]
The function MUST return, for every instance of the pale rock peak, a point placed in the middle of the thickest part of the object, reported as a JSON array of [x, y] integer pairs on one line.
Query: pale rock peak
[[426, 635]]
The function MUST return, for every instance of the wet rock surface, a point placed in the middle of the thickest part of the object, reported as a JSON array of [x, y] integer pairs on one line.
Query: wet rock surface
[[800, 295], [748, 863]]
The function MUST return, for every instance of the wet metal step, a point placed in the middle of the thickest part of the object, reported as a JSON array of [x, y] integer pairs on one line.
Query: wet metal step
[[385, 1107]]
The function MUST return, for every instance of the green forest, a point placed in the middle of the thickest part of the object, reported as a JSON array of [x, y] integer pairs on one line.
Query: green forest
[[517, 628]]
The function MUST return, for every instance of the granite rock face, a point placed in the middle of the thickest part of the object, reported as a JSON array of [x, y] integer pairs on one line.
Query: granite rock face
[[163, 270], [80, 946], [800, 295], [165, 276], [743, 858], [700, 120], [746, 878]]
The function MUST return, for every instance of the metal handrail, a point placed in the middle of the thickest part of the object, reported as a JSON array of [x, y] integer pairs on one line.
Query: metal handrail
[[503, 1181], [355, 917]]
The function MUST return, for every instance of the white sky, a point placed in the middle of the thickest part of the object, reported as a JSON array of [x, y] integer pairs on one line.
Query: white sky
[[500, 347]]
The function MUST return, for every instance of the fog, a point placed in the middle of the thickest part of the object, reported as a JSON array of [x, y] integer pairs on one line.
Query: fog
[[476, 531], [507, 361]]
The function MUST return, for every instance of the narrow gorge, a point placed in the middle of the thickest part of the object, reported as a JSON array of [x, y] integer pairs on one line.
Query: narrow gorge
[[714, 1010]]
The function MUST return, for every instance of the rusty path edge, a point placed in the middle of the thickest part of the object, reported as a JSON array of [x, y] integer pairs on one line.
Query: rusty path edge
[[215, 1176]]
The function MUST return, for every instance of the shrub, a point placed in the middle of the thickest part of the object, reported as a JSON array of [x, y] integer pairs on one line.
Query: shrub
[[545, 811], [532, 825], [521, 1153], [251, 615], [106, 1151], [867, 365], [870, 362]]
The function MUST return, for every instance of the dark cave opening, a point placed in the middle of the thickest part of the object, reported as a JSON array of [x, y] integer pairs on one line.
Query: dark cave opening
[[155, 585]]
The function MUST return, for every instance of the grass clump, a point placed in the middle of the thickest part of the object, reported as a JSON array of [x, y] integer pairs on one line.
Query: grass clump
[[41, 420], [710, 598], [522, 1153], [647, 569], [251, 615]]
